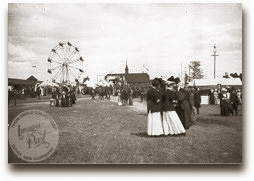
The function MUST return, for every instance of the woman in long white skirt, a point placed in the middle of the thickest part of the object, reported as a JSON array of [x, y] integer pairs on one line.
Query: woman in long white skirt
[[172, 125], [154, 118], [119, 101]]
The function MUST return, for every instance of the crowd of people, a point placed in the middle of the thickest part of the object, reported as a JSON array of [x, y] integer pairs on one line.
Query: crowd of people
[[124, 92], [175, 96], [171, 107], [64, 97], [127, 93], [229, 101]]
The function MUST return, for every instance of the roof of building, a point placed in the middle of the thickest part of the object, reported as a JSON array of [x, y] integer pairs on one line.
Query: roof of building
[[30, 81], [120, 74], [133, 77], [222, 81], [20, 82], [137, 78], [32, 78]]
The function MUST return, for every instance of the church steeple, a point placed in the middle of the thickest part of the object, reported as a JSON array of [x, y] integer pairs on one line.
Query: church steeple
[[126, 68]]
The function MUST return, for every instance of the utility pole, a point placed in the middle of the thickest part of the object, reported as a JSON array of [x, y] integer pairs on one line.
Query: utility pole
[[214, 59]]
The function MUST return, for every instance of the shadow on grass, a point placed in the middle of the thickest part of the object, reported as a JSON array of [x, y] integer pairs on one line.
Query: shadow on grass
[[141, 134], [142, 114], [213, 115], [144, 135]]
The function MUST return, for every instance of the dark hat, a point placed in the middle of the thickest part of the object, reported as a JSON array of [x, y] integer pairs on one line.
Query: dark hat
[[171, 78], [155, 82], [177, 80]]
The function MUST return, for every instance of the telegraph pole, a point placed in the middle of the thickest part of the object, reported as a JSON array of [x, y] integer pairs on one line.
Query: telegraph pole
[[214, 59]]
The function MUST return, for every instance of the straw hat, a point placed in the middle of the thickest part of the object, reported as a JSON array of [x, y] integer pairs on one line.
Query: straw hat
[[224, 89]]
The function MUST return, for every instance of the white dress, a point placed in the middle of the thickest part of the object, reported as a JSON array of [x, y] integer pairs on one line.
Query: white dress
[[119, 101], [154, 124], [172, 125]]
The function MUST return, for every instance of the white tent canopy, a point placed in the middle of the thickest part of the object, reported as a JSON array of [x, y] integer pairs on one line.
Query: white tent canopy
[[90, 84], [48, 83], [104, 83], [212, 82]]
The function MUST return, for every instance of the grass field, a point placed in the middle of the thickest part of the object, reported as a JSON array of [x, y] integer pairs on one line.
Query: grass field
[[99, 131]]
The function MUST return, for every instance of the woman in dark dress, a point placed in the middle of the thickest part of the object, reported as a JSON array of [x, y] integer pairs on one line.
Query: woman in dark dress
[[184, 111], [64, 99], [171, 123], [154, 118]]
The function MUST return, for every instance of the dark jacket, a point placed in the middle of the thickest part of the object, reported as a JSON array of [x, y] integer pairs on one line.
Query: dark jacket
[[154, 97], [233, 98], [191, 99], [167, 100], [197, 99], [185, 110]]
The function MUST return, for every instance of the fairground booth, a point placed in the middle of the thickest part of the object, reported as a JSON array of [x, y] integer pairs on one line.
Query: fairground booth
[[206, 86]]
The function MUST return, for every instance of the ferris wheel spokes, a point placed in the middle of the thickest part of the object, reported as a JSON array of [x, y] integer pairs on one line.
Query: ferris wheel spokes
[[65, 63], [76, 68], [56, 67]]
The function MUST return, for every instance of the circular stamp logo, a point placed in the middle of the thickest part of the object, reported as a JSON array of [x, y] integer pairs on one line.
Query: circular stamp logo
[[33, 135]]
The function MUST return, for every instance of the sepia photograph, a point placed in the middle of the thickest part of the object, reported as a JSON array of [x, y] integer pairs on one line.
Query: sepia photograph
[[125, 83]]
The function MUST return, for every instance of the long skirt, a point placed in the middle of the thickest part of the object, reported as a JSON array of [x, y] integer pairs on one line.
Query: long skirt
[[172, 124], [119, 101], [154, 124]]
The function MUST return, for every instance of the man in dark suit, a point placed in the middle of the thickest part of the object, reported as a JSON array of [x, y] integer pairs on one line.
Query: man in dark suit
[[234, 101], [197, 99]]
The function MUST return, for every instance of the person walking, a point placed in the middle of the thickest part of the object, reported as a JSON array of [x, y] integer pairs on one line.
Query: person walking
[[224, 102], [130, 96], [197, 99], [234, 101], [192, 105], [15, 96], [119, 99]]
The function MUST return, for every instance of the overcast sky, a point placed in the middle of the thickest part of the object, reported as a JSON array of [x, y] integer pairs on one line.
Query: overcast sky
[[159, 36]]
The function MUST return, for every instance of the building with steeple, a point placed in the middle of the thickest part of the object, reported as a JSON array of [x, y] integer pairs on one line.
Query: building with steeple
[[132, 79], [126, 68]]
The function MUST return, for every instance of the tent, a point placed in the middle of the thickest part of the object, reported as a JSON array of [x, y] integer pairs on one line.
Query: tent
[[212, 83], [90, 84], [48, 83]]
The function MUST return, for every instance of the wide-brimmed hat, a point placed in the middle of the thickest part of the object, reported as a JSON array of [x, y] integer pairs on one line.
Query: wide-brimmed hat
[[224, 89], [170, 82], [171, 79]]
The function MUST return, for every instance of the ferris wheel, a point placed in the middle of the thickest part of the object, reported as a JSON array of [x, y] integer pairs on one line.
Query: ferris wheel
[[65, 63]]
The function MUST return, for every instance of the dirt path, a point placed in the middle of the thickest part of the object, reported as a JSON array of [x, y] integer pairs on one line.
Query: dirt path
[[137, 105]]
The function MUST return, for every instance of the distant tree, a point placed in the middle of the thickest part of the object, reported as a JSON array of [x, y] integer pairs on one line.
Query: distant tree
[[226, 75], [195, 70], [235, 75]]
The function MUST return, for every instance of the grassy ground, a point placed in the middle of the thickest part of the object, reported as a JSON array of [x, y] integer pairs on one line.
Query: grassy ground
[[41, 99], [101, 132]]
